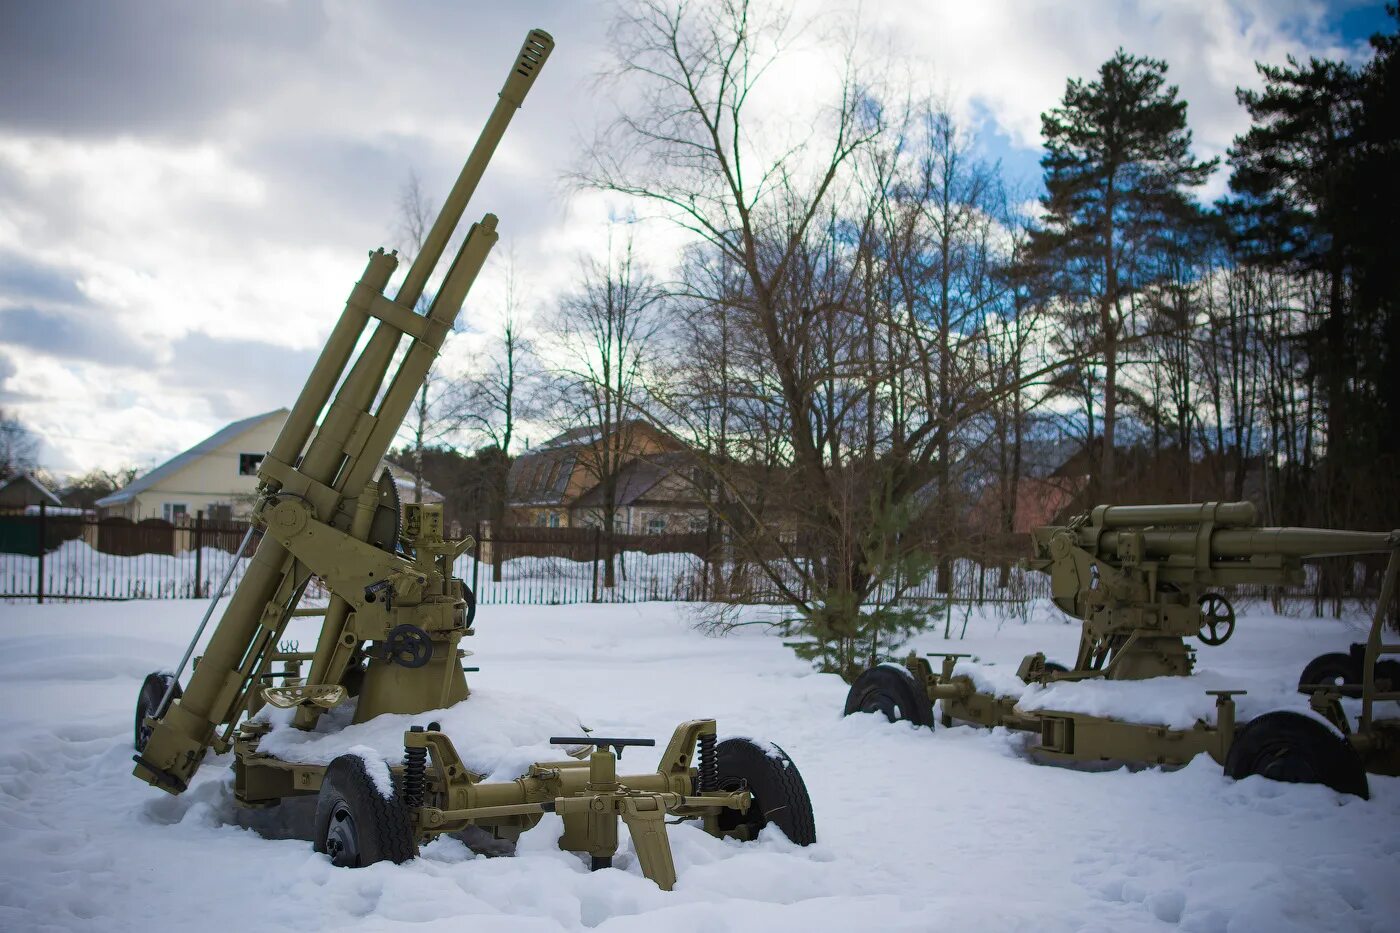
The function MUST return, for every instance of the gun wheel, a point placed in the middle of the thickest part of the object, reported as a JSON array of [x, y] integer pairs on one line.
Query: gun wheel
[[779, 793], [1332, 670], [891, 690], [148, 701], [1290, 747], [355, 824]]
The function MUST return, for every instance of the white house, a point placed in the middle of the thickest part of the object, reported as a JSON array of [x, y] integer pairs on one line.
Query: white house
[[217, 476]]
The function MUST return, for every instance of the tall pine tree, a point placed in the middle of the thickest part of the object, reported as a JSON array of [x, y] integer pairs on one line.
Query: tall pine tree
[[1290, 212], [1371, 193], [1118, 168]]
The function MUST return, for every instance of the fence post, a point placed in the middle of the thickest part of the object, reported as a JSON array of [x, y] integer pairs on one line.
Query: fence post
[[495, 556], [597, 534], [43, 548], [476, 558], [705, 560], [199, 554]]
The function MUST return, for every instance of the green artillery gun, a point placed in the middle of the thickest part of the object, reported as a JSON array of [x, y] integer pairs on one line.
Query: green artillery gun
[[1143, 579], [389, 636]]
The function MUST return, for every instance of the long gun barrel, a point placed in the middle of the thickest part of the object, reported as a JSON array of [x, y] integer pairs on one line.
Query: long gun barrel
[[1141, 576], [328, 467], [1247, 543], [1205, 534]]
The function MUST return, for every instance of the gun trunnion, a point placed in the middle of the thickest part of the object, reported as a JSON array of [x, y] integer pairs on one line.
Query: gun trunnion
[[396, 614], [1142, 579]]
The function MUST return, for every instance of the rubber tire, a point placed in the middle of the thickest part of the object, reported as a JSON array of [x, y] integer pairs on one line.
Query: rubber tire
[[1389, 670], [469, 597], [383, 831], [780, 794], [1056, 667], [1290, 747], [149, 697], [1330, 668], [893, 691]]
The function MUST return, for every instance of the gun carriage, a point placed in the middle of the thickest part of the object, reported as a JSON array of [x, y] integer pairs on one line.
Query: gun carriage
[[1143, 579], [389, 637]]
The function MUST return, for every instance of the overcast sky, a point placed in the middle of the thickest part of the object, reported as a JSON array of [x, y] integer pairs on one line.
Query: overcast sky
[[188, 190]]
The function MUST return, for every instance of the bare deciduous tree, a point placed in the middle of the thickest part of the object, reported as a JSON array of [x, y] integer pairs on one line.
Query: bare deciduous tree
[[606, 336], [837, 289], [19, 446], [501, 394]]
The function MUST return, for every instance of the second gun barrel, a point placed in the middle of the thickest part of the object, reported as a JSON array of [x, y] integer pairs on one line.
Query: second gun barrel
[[1243, 543]]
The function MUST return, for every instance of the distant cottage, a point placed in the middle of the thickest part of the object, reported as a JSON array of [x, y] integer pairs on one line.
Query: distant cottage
[[217, 476], [557, 485], [23, 490]]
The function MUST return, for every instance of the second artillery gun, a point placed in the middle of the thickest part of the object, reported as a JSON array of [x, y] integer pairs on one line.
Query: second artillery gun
[[389, 636], [1143, 579]]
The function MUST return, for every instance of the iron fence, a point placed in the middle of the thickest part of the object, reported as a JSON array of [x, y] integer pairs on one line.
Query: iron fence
[[64, 556], [46, 555]]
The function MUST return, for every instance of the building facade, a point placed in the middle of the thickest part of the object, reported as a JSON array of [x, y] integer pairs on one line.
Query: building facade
[[217, 476], [557, 485]]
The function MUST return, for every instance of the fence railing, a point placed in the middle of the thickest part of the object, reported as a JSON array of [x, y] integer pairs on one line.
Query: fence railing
[[64, 556]]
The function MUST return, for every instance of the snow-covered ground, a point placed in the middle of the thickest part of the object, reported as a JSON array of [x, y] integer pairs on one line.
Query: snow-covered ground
[[917, 829]]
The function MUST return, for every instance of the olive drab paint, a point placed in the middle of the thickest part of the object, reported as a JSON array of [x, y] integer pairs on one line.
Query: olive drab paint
[[390, 635], [1142, 579]]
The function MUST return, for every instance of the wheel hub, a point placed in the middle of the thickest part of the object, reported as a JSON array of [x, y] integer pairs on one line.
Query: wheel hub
[[1288, 764], [883, 703], [342, 841], [732, 820]]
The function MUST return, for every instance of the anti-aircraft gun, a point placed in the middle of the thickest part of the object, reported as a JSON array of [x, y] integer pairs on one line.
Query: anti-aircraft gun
[[1143, 579], [389, 636]]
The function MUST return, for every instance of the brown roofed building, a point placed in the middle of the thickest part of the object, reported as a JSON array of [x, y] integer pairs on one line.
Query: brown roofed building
[[24, 490], [557, 484]]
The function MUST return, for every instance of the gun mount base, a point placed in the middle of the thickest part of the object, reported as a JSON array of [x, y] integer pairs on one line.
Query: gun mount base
[[357, 825]]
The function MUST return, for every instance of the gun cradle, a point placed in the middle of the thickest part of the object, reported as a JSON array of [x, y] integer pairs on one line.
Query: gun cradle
[[444, 796]]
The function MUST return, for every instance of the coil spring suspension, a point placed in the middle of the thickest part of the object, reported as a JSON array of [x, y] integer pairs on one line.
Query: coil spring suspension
[[708, 764], [415, 766]]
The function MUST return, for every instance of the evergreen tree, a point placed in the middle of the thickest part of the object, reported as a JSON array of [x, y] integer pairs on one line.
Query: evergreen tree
[[1289, 177], [1118, 166], [1370, 194]]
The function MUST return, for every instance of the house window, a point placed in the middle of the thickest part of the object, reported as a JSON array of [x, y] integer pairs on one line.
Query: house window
[[174, 511], [248, 464], [656, 525], [697, 525], [554, 519], [541, 519]]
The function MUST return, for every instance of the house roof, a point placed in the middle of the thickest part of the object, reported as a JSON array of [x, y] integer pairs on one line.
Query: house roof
[[587, 434], [637, 479], [31, 479], [179, 461], [541, 476]]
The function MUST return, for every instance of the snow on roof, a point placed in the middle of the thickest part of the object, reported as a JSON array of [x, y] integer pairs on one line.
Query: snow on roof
[[29, 477], [56, 510], [176, 463]]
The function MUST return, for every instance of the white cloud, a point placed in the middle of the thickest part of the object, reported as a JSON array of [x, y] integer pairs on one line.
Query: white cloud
[[239, 215]]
